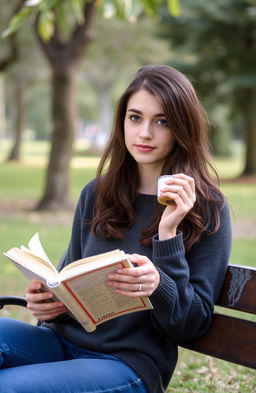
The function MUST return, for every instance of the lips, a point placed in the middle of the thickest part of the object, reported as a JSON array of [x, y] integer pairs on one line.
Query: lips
[[145, 148]]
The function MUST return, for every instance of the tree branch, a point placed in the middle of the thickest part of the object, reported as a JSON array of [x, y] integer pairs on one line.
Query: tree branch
[[81, 35], [14, 50], [68, 52], [13, 55]]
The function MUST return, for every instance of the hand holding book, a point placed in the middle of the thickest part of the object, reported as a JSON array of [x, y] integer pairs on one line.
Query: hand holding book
[[42, 302], [81, 285], [140, 281]]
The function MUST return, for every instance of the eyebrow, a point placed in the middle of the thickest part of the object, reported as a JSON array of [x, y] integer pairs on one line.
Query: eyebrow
[[140, 113]]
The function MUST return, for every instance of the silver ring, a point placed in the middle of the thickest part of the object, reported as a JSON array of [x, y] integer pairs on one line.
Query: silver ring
[[139, 287]]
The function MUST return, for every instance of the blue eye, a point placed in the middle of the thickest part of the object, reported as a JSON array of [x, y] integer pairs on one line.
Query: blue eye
[[135, 118], [162, 122]]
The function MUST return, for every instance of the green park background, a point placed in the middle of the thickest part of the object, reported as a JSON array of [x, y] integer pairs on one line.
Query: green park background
[[212, 42]]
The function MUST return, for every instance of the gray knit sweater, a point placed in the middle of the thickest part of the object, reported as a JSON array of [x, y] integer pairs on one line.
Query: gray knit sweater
[[183, 303]]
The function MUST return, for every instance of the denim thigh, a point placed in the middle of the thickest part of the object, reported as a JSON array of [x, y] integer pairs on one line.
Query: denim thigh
[[22, 343], [35, 359], [72, 376]]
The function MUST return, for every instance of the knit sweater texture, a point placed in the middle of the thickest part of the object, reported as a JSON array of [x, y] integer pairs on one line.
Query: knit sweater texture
[[183, 302]]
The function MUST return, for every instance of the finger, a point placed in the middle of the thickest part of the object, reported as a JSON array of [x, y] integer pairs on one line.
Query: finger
[[143, 264], [181, 185], [34, 286], [138, 291], [186, 197], [132, 290], [125, 286], [183, 190], [140, 260], [46, 316], [138, 274], [190, 180], [38, 297], [47, 306], [182, 201], [172, 193], [42, 314]]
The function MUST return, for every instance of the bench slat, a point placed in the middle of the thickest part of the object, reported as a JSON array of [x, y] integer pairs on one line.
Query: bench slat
[[222, 340], [239, 289]]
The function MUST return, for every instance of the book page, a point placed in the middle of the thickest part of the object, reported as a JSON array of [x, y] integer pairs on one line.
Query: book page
[[36, 247], [90, 263], [31, 266], [94, 260], [99, 301]]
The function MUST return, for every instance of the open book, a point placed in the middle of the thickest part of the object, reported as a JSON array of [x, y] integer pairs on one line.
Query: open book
[[81, 285]]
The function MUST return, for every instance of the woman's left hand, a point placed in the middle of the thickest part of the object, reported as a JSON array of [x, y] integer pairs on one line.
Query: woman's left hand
[[141, 280]]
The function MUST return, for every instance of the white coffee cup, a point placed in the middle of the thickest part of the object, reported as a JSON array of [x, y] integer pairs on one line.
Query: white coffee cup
[[163, 199]]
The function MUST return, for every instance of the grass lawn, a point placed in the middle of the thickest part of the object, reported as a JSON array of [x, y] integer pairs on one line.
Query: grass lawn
[[22, 185]]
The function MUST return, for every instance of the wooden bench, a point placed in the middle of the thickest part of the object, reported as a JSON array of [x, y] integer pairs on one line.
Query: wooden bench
[[233, 338], [229, 338]]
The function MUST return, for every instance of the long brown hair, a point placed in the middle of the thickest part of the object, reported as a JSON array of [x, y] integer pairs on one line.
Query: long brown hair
[[117, 189]]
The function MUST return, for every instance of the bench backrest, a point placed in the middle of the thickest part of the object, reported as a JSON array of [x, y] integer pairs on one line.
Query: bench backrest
[[233, 338]]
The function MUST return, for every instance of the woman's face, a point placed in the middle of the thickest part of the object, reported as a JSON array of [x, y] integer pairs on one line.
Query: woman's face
[[147, 137]]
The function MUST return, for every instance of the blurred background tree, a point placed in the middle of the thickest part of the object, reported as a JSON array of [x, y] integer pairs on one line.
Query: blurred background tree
[[63, 30], [8, 55], [28, 73]]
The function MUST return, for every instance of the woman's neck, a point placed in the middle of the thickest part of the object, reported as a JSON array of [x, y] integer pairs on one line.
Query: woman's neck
[[148, 180]]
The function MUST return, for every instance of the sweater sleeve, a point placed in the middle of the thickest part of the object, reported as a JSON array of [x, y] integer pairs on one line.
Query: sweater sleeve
[[190, 284]]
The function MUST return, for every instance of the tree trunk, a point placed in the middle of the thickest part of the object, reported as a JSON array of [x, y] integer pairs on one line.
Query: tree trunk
[[20, 88], [250, 133], [64, 118], [222, 137], [64, 58]]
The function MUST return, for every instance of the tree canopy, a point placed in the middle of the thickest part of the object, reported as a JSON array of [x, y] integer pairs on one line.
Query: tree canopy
[[63, 12]]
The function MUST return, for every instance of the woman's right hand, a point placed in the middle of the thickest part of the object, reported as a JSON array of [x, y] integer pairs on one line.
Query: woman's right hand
[[180, 188], [41, 302]]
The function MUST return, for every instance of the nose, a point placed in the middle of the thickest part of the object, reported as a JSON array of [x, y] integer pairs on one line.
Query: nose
[[145, 131]]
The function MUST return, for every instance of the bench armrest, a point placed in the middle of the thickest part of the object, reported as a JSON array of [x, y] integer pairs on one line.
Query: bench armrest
[[12, 300]]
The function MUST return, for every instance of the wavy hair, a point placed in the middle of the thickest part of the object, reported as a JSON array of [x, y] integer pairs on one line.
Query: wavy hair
[[187, 120]]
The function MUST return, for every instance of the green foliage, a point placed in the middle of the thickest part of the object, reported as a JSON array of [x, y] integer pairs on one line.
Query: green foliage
[[216, 45], [17, 21], [46, 24], [174, 7], [49, 10], [120, 8]]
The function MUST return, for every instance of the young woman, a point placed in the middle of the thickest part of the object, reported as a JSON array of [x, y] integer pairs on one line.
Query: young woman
[[180, 253]]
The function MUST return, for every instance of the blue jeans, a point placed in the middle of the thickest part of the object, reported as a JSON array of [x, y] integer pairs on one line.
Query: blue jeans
[[35, 359]]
